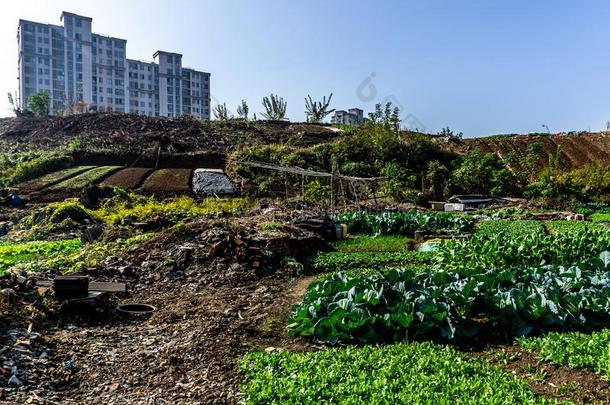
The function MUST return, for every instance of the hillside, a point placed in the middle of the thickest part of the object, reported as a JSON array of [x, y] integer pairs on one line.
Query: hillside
[[118, 132], [576, 150], [98, 137]]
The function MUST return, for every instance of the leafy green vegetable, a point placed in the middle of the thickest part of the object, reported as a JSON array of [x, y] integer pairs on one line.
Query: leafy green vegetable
[[575, 349], [340, 261], [405, 304], [600, 217], [512, 228], [14, 254], [385, 243], [572, 226], [503, 250], [405, 222], [414, 373]]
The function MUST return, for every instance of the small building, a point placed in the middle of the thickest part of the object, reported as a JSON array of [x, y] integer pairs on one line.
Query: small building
[[353, 116], [467, 202]]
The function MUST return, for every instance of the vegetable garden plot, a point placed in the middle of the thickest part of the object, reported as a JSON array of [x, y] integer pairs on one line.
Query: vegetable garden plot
[[53, 178], [389, 243], [591, 351], [405, 222], [392, 374], [512, 228], [168, 181], [502, 250], [340, 261], [572, 226], [403, 304], [12, 254], [129, 178], [600, 217], [82, 180]]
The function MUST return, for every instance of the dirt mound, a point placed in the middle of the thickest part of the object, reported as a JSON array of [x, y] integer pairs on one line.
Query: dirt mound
[[125, 133]]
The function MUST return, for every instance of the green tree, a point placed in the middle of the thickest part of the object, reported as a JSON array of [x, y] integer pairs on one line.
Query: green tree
[[316, 111], [275, 108], [482, 173], [221, 112], [436, 179], [447, 132], [38, 103], [399, 182], [394, 120], [242, 110]]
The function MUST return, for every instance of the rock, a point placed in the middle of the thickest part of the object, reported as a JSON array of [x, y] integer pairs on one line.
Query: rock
[[14, 380]]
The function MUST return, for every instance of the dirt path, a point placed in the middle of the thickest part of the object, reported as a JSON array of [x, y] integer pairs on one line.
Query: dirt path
[[550, 380], [187, 352]]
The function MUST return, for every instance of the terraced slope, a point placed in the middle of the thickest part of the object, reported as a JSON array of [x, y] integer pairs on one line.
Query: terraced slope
[[92, 176], [576, 150], [53, 178]]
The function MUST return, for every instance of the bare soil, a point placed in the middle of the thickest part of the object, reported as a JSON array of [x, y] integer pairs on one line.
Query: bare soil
[[576, 151], [168, 181], [219, 294], [129, 178], [547, 379]]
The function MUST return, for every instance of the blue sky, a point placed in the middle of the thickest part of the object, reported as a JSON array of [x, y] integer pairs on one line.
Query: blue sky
[[480, 67]]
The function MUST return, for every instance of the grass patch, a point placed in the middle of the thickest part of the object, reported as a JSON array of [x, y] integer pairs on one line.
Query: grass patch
[[387, 243], [600, 217], [342, 261], [269, 225], [577, 350], [393, 374]]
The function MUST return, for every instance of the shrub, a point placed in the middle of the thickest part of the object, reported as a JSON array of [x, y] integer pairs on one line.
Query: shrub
[[317, 192]]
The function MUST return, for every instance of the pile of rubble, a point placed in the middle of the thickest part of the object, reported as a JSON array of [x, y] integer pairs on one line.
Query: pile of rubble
[[24, 354], [218, 252]]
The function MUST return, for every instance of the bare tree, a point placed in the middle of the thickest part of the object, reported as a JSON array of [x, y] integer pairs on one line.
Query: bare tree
[[275, 108], [316, 111], [242, 110], [221, 112]]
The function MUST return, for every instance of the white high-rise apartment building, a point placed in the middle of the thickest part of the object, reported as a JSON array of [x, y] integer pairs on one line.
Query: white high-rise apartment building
[[90, 72]]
